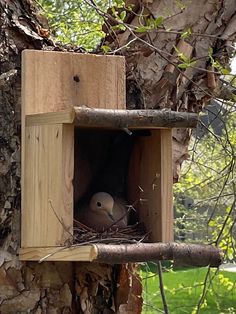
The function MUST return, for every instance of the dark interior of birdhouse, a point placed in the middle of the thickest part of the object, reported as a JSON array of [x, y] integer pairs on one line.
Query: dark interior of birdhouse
[[103, 163]]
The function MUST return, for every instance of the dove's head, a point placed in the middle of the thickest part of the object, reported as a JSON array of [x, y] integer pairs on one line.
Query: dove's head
[[103, 203]]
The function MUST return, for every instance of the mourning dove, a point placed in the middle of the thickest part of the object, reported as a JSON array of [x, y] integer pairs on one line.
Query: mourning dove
[[102, 212]]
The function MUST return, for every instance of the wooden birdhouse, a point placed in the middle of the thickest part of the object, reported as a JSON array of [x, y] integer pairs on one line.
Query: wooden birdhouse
[[66, 99]]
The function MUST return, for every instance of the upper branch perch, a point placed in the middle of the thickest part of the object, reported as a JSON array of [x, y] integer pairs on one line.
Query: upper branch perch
[[116, 118]]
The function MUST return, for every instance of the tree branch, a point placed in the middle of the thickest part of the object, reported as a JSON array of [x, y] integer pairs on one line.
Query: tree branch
[[185, 254], [121, 119], [161, 285]]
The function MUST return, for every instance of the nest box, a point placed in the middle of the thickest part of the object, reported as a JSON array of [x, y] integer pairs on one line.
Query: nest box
[[61, 92]]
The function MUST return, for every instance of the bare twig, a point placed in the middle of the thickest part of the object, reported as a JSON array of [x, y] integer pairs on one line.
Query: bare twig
[[204, 291], [161, 286]]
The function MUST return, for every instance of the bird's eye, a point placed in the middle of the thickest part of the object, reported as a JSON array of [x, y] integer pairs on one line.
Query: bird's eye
[[99, 204]]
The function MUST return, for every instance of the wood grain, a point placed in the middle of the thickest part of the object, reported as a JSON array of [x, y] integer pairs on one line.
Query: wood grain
[[150, 183], [82, 253], [49, 83], [49, 93], [47, 203], [64, 116]]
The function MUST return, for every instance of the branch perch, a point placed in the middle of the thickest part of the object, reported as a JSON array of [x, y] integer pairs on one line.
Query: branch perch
[[119, 119], [185, 254], [133, 119]]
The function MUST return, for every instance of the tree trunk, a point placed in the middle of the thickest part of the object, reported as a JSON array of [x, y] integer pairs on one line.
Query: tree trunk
[[152, 82], [153, 78], [24, 287]]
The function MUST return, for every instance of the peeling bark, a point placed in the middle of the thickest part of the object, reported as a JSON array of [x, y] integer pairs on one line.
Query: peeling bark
[[152, 79]]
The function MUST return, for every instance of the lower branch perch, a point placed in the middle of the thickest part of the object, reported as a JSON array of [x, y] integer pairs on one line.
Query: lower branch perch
[[185, 254]]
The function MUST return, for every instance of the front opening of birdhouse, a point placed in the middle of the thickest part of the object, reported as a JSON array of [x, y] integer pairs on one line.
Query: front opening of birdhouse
[[78, 140], [120, 163]]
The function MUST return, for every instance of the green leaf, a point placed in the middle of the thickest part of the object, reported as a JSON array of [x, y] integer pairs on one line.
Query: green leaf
[[141, 29], [186, 34], [114, 12], [181, 55], [211, 223], [192, 63], [183, 65], [118, 27], [158, 21], [106, 49], [123, 15], [224, 71], [210, 52]]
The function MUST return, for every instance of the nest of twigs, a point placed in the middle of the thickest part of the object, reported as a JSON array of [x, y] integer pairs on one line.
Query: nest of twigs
[[114, 235]]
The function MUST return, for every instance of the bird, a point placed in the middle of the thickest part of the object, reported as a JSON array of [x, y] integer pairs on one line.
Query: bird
[[103, 211]]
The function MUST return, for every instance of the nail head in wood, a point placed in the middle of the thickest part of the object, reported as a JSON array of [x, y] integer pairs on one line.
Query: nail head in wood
[[76, 78]]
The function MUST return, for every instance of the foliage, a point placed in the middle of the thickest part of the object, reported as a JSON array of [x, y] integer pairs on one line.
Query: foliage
[[183, 289], [216, 64], [185, 61], [76, 21], [80, 22], [208, 182]]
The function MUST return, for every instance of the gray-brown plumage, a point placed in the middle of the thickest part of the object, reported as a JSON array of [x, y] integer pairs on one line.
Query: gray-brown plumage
[[102, 212]]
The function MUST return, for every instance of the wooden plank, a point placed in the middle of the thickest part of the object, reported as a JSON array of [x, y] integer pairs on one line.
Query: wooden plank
[[73, 254], [47, 202], [166, 183], [65, 116], [49, 85], [150, 180], [133, 119]]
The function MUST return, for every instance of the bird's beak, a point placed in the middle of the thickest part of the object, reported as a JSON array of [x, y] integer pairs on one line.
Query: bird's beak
[[110, 215]]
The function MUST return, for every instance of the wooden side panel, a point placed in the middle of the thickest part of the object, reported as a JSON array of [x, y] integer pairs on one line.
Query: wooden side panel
[[49, 85], [150, 180], [166, 181], [47, 203]]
